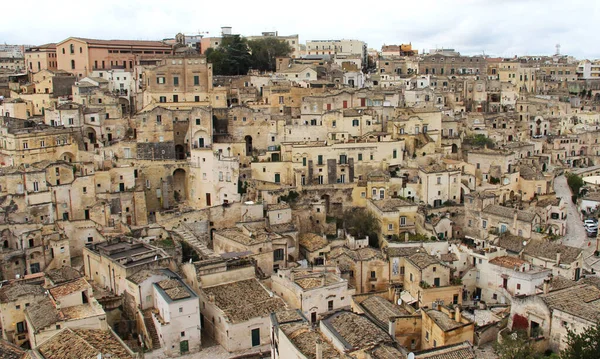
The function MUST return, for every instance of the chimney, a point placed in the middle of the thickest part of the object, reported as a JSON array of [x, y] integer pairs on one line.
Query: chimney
[[319, 349], [457, 314], [546, 285], [557, 258], [392, 327]]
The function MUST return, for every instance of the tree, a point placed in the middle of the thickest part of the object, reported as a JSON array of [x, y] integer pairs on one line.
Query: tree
[[264, 51], [361, 223], [514, 345], [583, 345], [232, 57], [575, 183]]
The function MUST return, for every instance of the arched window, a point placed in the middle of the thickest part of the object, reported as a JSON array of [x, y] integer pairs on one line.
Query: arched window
[[72, 48], [382, 193], [374, 193]]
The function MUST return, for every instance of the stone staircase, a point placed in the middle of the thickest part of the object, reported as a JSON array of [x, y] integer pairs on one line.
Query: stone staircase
[[199, 246], [149, 323]]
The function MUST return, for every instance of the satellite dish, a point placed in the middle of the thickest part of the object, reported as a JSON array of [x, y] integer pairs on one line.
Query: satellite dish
[[411, 356], [399, 301]]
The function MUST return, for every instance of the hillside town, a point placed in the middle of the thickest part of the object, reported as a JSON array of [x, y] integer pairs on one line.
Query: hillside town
[[252, 196]]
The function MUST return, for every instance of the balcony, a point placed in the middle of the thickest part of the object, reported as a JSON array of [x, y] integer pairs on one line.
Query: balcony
[[195, 146]]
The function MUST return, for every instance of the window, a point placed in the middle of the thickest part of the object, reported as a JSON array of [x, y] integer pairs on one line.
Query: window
[[197, 121], [381, 193], [484, 223], [402, 221], [390, 227], [319, 159], [330, 305], [439, 180], [411, 277], [25, 145], [355, 123], [160, 80], [176, 81], [162, 99], [221, 176], [42, 143], [278, 254], [72, 64], [181, 311], [182, 333], [395, 154], [36, 186], [72, 48], [426, 335], [158, 119], [196, 80], [518, 285]]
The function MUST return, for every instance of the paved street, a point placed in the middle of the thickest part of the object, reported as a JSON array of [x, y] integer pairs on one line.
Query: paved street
[[576, 235]]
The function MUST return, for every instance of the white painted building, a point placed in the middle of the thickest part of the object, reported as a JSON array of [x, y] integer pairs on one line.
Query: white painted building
[[177, 322]]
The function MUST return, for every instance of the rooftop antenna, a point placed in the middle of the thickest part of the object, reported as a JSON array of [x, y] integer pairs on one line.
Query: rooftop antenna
[[558, 49]]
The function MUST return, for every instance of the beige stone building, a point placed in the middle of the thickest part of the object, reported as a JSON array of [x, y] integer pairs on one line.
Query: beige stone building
[[444, 326], [236, 314], [313, 291], [14, 299]]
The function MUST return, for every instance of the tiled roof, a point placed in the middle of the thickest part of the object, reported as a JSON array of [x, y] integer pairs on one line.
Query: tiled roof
[[386, 351], [278, 206], [507, 212], [243, 300], [511, 243], [455, 351], [43, 314], [344, 325], [559, 282], [443, 321], [361, 254], [382, 309], [392, 204], [288, 315], [174, 289], [144, 274], [10, 351], [65, 289], [316, 280], [305, 339], [595, 281], [423, 260], [145, 43], [83, 344], [544, 249], [401, 251], [13, 291], [237, 235], [508, 262], [62, 275], [582, 301], [312, 242]]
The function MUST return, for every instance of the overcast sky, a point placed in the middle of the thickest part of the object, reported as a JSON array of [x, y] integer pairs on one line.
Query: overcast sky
[[496, 27]]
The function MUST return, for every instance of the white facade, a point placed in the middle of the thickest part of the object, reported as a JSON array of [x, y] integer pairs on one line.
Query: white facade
[[179, 324], [118, 80]]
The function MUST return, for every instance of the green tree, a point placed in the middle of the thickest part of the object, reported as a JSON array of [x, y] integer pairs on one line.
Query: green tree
[[264, 51], [515, 345], [360, 223], [232, 57], [585, 345], [575, 183]]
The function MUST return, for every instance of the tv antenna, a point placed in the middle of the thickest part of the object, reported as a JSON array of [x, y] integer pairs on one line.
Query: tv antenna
[[558, 49]]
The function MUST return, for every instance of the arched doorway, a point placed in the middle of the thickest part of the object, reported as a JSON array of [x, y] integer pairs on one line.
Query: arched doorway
[[179, 185], [179, 152], [248, 140], [454, 148]]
